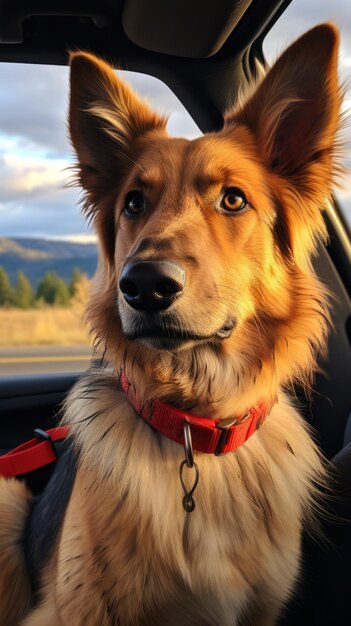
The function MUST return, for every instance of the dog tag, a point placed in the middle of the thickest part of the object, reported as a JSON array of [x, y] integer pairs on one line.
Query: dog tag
[[188, 500], [188, 504]]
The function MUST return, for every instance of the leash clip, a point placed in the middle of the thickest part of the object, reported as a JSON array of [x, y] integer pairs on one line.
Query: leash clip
[[188, 500], [44, 436]]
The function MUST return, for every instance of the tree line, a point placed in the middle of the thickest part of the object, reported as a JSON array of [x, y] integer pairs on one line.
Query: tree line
[[51, 289]]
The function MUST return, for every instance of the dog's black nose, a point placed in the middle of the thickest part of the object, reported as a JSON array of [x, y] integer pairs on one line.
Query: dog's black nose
[[151, 285]]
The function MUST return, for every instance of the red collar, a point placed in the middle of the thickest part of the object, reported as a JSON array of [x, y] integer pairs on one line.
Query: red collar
[[213, 436], [208, 435]]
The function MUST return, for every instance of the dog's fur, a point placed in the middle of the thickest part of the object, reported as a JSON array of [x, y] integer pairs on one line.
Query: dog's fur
[[127, 552]]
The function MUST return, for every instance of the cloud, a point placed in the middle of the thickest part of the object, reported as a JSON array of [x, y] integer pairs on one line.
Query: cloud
[[54, 215], [33, 106], [79, 238], [30, 177], [33, 197], [296, 20]]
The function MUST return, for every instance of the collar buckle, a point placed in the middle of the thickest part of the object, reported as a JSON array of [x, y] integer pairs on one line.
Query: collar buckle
[[224, 426]]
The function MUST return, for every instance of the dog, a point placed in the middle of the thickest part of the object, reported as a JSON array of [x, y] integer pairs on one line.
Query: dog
[[205, 308]]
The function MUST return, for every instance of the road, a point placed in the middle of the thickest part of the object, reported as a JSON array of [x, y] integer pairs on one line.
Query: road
[[43, 359]]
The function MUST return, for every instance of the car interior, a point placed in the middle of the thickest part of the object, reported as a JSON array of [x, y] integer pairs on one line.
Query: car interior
[[206, 52]]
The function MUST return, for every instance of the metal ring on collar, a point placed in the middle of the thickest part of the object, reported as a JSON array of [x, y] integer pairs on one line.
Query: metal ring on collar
[[188, 445]]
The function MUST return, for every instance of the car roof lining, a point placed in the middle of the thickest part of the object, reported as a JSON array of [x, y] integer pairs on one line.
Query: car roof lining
[[206, 86], [206, 27]]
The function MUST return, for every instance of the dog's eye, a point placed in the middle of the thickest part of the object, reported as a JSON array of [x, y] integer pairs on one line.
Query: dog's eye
[[233, 200], [134, 203]]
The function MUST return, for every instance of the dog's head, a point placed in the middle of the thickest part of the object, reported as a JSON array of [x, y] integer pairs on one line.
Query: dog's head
[[206, 244]]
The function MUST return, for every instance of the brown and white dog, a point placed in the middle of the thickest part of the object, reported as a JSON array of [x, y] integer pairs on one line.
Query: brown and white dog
[[205, 298]]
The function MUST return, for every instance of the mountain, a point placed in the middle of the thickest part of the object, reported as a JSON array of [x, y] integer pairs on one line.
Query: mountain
[[37, 256]]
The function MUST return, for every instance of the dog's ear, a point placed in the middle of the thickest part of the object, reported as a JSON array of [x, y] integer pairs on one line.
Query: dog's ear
[[294, 115], [106, 119]]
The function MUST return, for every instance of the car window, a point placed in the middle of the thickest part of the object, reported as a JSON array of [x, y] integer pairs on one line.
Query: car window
[[47, 253], [296, 20]]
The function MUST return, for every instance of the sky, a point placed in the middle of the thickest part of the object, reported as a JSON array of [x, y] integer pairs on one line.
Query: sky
[[34, 148]]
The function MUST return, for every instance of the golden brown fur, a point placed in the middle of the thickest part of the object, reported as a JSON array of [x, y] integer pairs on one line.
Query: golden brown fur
[[15, 594], [128, 554]]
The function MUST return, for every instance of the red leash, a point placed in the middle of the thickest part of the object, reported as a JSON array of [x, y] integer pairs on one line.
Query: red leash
[[33, 454]]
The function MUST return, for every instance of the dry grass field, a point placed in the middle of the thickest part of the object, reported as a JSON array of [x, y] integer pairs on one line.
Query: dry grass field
[[43, 326]]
